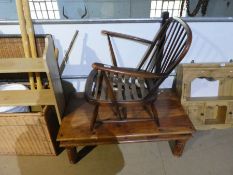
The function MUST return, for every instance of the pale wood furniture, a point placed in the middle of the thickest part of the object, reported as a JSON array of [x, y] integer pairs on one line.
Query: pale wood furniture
[[121, 87], [207, 112], [15, 63], [175, 126], [31, 133]]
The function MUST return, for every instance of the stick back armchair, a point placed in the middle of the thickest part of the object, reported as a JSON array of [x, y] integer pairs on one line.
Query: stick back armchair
[[121, 86]]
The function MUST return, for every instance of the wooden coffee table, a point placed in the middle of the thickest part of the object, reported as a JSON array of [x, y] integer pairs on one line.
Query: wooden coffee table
[[175, 126]]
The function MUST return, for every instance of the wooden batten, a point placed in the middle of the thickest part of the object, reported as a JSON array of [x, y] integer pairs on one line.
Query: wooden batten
[[53, 75], [27, 97], [19, 65]]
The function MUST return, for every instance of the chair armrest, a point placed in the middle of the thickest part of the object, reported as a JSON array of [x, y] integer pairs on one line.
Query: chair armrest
[[130, 37], [126, 71]]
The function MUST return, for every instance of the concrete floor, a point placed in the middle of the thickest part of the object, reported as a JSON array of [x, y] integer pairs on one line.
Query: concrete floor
[[208, 153]]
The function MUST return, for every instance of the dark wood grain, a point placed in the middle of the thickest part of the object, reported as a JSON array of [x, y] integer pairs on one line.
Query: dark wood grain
[[119, 88], [140, 85], [130, 37], [177, 146], [174, 124], [126, 71], [72, 154], [75, 156]]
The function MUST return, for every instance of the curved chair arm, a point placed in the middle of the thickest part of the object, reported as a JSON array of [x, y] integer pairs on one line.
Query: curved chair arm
[[126, 71], [130, 37]]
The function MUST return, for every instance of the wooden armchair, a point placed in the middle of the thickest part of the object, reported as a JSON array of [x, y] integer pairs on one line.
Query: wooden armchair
[[120, 86]]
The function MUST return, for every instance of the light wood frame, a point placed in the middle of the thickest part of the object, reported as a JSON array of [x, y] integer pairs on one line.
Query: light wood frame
[[205, 111], [47, 64]]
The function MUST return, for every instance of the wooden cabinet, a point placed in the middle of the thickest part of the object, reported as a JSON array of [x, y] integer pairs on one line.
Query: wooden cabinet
[[207, 112]]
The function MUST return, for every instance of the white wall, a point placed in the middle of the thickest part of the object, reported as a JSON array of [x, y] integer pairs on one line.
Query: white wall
[[212, 42]]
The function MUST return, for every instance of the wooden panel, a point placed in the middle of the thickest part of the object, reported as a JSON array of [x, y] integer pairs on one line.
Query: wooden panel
[[29, 133], [113, 140], [54, 77], [206, 99], [226, 86], [27, 97], [196, 114], [229, 118], [19, 65]]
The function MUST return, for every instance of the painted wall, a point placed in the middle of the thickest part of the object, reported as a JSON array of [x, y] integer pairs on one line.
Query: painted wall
[[8, 10], [75, 9], [212, 42]]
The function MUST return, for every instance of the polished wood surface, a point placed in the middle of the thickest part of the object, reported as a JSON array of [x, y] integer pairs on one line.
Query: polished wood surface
[[174, 124], [120, 86]]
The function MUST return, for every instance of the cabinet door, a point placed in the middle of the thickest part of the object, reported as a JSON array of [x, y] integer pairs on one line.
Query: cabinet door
[[196, 114]]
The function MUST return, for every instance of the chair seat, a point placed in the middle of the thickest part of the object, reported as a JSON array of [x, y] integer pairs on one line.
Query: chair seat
[[125, 88]]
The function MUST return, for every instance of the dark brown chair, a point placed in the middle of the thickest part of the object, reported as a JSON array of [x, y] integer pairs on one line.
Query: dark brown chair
[[120, 86]]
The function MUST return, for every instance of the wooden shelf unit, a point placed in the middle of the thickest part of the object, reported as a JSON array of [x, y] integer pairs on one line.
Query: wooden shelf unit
[[31, 133], [207, 112]]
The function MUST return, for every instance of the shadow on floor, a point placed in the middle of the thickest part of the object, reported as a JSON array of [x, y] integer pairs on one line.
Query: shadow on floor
[[106, 159]]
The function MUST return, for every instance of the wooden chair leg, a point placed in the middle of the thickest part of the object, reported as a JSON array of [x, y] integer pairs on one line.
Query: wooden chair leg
[[123, 111], [112, 95], [118, 111], [94, 117], [177, 147], [155, 114]]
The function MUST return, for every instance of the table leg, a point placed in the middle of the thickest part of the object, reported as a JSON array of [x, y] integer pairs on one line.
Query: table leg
[[75, 156], [177, 147], [72, 154]]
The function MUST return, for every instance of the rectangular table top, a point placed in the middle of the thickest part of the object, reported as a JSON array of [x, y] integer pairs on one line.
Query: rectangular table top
[[75, 126]]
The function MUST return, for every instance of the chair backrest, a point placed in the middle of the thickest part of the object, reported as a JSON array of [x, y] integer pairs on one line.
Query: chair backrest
[[169, 47]]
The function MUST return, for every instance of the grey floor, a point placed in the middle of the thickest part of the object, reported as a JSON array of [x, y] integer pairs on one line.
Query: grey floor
[[208, 153]]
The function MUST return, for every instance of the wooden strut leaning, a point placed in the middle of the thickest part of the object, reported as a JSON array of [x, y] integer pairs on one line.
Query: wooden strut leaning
[[31, 36], [28, 38], [25, 42], [66, 57]]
